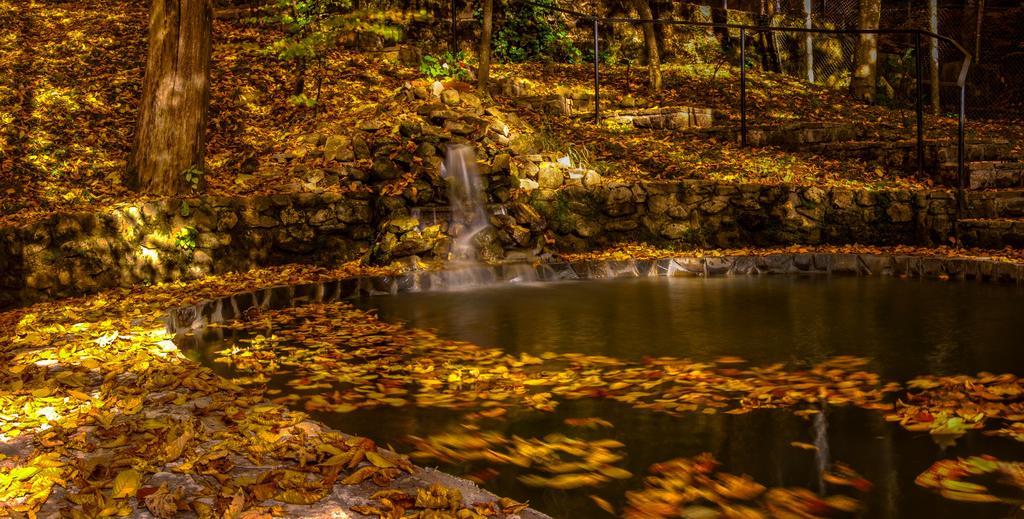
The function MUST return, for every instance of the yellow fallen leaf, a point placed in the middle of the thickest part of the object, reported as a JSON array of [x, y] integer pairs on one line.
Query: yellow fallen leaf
[[127, 483]]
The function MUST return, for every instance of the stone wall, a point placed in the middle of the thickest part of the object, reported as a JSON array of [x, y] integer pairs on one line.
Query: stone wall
[[564, 209], [169, 240], [705, 213]]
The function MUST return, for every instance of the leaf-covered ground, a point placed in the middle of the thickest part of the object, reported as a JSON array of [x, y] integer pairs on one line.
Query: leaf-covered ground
[[773, 99], [70, 81], [103, 415]]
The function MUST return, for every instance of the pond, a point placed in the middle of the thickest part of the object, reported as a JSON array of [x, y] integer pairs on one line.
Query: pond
[[744, 331]]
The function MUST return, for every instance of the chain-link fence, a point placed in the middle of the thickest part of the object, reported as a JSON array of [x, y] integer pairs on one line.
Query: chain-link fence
[[994, 35]]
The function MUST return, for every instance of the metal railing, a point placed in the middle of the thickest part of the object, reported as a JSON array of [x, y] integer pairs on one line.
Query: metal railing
[[743, 29]]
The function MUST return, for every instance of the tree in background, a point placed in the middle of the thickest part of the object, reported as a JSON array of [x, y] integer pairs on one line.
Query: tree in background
[[865, 64], [484, 70], [170, 134], [643, 9], [933, 55]]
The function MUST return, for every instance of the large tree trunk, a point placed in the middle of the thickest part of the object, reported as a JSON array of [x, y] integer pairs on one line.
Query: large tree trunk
[[643, 9], [862, 84], [170, 132], [485, 46]]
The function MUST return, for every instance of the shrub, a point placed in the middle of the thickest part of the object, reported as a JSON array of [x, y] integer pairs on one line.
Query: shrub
[[529, 32], [446, 66]]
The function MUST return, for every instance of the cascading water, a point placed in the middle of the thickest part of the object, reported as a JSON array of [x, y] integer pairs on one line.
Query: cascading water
[[469, 217], [467, 199]]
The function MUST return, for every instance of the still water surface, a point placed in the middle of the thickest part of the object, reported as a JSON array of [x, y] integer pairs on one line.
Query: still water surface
[[907, 328]]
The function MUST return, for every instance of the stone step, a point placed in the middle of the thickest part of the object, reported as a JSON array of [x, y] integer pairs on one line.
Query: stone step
[[992, 233], [1002, 203], [990, 174]]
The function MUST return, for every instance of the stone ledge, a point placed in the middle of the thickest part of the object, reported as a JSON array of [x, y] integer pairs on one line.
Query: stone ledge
[[184, 319]]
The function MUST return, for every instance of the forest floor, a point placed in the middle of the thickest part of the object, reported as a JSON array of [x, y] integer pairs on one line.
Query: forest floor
[[71, 75]]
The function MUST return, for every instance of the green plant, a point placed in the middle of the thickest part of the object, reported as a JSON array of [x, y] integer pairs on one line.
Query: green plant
[[194, 177], [446, 66], [186, 238], [530, 32]]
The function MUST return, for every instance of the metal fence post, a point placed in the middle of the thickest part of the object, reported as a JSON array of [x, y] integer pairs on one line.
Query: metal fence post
[[918, 103], [960, 151], [597, 75], [743, 86]]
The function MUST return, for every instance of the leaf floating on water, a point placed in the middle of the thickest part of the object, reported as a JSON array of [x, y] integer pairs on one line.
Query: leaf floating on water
[[564, 481], [590, 423], [804, 446], [602, 504]]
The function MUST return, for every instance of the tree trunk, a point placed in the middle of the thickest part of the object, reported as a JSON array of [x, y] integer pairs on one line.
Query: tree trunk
[[933, 47], [774, 63], [863, 82], [722, 16], [808, 43], [170, 131], [484, 71], [643, 9], [977, 31]]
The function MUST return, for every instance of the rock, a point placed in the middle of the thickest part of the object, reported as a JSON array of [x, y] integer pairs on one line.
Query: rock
[[527, 184], [458, 128], [402, 224], [900, 213], [409, 129], [338, 147], [385, 169], [471, 100], [523, 145], [549, 177], [371, 125], [313, 139], [425, 149], [360, 147], [450, 97], [420, 92], [677, 230], [591, 178], [436, 88], [501, 163]]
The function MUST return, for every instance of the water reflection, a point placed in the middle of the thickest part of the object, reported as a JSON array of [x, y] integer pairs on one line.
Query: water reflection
[[909, 327]]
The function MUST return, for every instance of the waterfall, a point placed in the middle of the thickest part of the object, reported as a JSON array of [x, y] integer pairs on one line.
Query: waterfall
[[467, 199], [469, 218]]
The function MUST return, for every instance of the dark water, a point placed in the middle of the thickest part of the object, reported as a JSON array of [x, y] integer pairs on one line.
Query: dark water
[[907, 327]]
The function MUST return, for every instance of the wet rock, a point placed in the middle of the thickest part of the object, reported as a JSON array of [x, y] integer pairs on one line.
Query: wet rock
[[501, 163]]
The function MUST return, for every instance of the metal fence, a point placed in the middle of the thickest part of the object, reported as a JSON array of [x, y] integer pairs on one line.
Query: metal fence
[[918, 39]]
